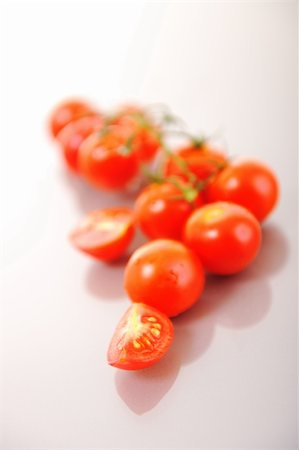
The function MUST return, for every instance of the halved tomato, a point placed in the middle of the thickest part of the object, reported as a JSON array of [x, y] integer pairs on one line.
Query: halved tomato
[[141, 338], [105, 233]]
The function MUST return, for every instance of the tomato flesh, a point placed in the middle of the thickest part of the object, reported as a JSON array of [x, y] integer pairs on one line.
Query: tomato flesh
[[142, 338], [105, 234], [225, 236]]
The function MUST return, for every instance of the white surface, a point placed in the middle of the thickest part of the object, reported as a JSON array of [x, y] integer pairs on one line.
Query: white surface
[[230, 379]]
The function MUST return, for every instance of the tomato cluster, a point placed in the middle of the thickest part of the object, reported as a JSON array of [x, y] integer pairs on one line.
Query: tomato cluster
[[201, 212]]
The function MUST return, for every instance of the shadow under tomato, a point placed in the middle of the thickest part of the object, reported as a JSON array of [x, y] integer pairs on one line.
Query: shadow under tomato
[[89, 198], [273, 254], [105, 281], [142, 390]]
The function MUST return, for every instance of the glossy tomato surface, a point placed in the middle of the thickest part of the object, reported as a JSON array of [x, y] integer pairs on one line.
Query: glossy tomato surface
[[135, 122], [203, 161], [73, 134], [248, 183], [141, 339], [107, 160], [164, 274], [161, 210], [67, 111], [105, 234], [225, 236]]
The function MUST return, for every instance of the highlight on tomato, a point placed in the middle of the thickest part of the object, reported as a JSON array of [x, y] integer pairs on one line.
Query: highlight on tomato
[[67, 111], [225, 236], [106, 159], [162, 209], [73, 134], [248, 183], [105, 234], [164, 274], [200, 159], [141, 339]]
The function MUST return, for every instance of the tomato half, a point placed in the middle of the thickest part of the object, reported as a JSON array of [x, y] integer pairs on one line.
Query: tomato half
[[74, 133], [67, 111], [105, 234], [106, 159], [225, 236], [141, 339], [203, 161], [164, 274], [248, 183], [162, 210]]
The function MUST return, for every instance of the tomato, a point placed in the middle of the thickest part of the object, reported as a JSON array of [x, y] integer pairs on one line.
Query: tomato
[[225, 236], [248, 183], [67, 111], [73, 134], [106, 159], [162, 210], [164, 274], [105, 234], [135, 122], [141, 339], [203, 161]]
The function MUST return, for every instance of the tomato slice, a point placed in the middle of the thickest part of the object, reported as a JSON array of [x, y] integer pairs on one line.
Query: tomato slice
[[141, 338], [105, 233]]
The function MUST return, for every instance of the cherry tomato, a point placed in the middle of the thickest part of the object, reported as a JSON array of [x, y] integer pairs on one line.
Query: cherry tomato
[[225, 236], [203, 161], [248, 183], [162, 209], [73, 134], [106, 159], [141, 339], [105, 234], [135, 122], [166, 275], [67, 111]]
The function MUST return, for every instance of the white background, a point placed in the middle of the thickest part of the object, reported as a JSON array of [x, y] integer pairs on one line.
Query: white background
[[230, 378]]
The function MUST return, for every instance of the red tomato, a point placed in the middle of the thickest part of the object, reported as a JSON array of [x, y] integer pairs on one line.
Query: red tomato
[[166, 275], [106, 159], [203, 161], [105, 233], [248, 183], [135, 122], [225, 236], [73, 134], [141, 339], [67, 111], [161, 210]]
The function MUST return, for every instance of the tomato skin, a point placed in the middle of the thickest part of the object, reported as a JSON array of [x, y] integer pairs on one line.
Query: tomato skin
[[203, 161], [161, 211], [135, 122], [164, 274], [225, 236], [141, 339], [73, 134], [105, 161], [67, 111], [94, 238], [248, 183]]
